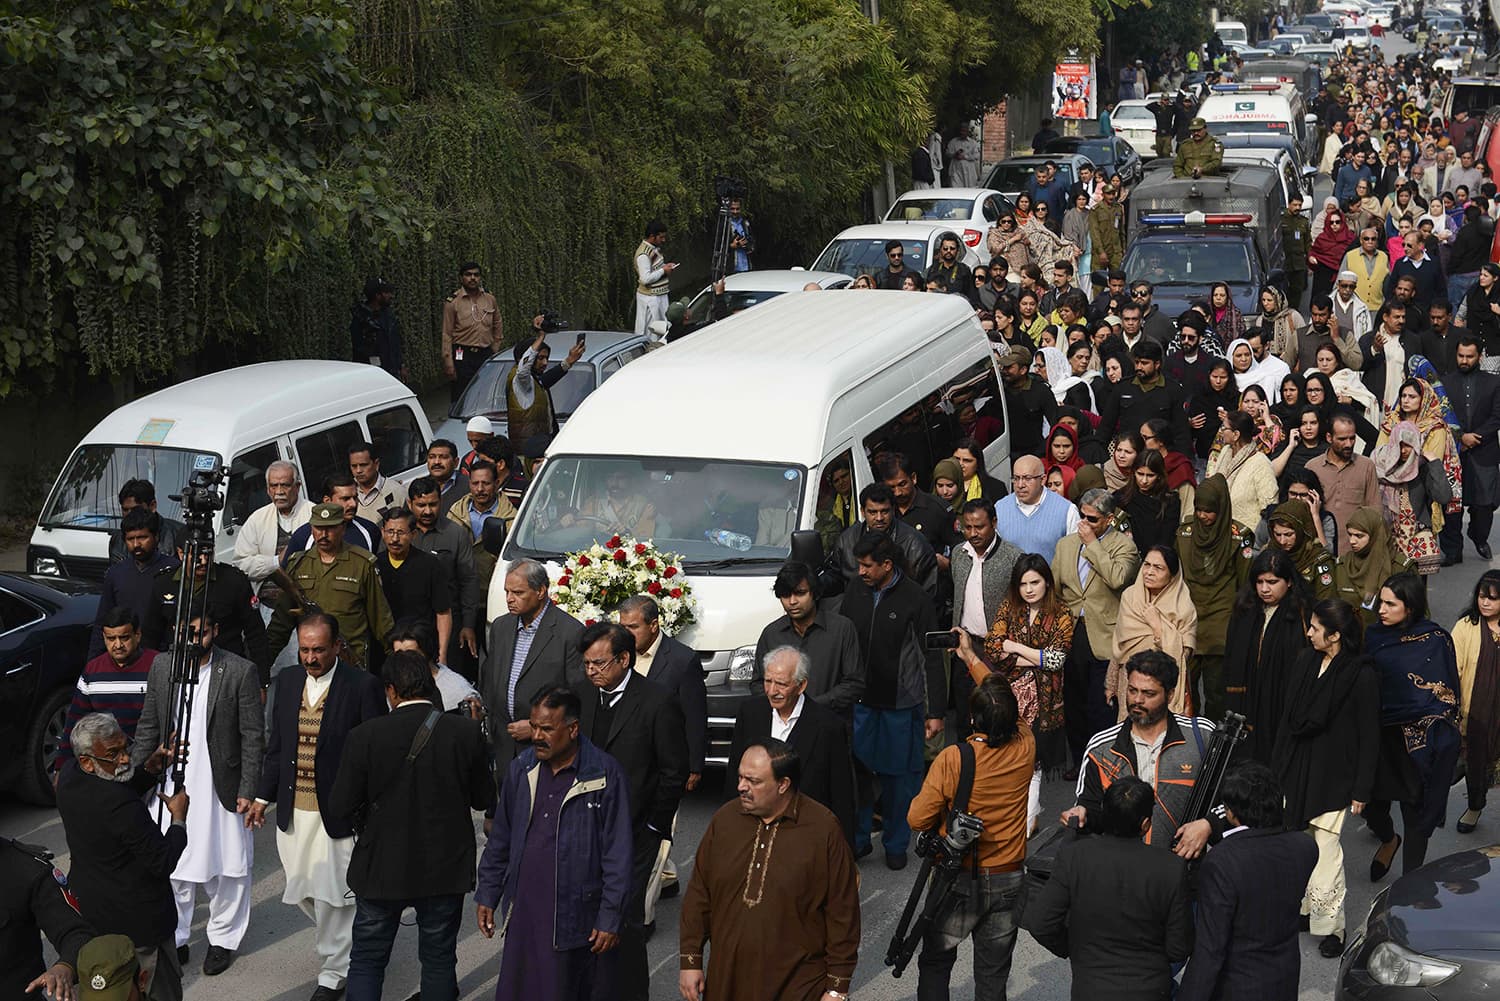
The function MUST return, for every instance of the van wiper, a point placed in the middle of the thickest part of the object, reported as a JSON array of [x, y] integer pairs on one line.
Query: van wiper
[[694, 566]]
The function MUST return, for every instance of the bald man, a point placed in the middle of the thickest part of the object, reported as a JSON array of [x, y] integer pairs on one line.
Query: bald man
[[1031, 517]]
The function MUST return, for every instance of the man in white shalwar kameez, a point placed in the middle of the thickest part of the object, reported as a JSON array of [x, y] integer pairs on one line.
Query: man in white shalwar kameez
[[652, 284], [312, 716], [225, 742]]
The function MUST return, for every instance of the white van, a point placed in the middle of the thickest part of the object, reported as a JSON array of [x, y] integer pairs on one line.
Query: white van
[[1232, 31], [308, 412], [1260, 107], [744, 427]]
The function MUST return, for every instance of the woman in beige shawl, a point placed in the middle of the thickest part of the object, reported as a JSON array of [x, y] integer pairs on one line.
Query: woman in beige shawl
[[1156, 613]]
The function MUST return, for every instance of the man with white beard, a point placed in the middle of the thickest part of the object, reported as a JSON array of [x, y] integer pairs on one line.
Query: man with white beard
[[225, 741]]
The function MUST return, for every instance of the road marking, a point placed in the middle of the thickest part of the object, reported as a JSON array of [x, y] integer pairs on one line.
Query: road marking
[[871, 897]]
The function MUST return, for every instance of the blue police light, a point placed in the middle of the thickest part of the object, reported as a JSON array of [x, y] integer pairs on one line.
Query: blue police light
[[1195, 218]]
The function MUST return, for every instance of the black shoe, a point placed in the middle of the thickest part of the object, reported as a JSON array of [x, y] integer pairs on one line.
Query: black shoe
[[327, 993], [1377, 869], [1332, 947], [1467, 825], [217, 960], [1483, 549], [895, 862], [1449, 561], [182, 954], [415, 997], [860, 853], [670, 890]]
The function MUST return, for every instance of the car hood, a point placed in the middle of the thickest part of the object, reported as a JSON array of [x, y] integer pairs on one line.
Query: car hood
[[1448, 905]]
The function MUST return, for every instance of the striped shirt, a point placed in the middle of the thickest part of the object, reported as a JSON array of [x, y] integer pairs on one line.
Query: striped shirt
[[525, 634], [106, 687]]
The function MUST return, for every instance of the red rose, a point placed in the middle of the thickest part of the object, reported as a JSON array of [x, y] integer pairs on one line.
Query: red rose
[[564, 580], [614, 541], [619, 556], [651, 564], [588, 622], [640, 547], [654, 587], [583, 561], [670, 572], [676, 592]]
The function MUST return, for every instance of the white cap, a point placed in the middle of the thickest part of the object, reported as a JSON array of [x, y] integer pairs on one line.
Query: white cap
[[480, 425], [1348, 276]]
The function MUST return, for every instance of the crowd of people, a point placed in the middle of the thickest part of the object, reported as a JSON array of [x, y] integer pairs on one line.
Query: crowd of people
[[1228, 511]]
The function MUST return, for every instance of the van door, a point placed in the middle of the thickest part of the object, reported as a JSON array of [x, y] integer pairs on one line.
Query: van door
[[245, 491], [324, 450], [400, 443], [835, 502]]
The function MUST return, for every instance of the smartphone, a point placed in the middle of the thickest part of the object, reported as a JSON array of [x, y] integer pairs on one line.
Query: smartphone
[[581, 337], [946, 640]]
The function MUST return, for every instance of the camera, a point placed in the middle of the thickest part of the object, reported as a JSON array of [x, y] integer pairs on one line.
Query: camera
[[728, 188], [947, 850], [552, 321], [202, 498]]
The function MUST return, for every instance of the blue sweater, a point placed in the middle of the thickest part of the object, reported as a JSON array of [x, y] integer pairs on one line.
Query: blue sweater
[[1038, 533]]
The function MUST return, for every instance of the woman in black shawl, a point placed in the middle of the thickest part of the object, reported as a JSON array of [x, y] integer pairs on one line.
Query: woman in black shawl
[[1153, 510], [1318, 390], [1203, 409], [1325, 755], [1267, 632]]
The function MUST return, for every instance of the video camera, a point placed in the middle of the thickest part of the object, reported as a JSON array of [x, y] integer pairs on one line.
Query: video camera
[[203, 497], [947, 851], [552, 321], [726, 189]]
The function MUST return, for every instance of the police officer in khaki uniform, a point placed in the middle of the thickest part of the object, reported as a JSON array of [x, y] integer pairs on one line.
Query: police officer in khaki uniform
[[339, 579], [471, 329], [1200, 154]]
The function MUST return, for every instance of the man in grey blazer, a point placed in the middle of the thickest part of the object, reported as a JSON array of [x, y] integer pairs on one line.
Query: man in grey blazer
[[224, 737], [532, 648], [982, 567]]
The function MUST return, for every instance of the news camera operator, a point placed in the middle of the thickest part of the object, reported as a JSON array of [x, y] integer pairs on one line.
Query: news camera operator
[[989, 869]]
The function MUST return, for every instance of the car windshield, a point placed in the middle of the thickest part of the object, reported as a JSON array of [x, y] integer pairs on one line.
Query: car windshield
[[1189, 262], [700, 310], [715, 513], [87, 494], [1132, 113], [931, 209], [1013, 176], [866, 257], [486, 393]]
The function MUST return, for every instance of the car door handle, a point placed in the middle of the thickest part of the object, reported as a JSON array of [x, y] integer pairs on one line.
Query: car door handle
[[18, 668]]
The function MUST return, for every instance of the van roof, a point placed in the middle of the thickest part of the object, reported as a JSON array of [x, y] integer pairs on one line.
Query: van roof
[[758, 385], [249, 404]]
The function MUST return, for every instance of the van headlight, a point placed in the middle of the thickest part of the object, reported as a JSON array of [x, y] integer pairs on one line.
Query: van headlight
[[45, 562], [742, 664], [1392, 966]]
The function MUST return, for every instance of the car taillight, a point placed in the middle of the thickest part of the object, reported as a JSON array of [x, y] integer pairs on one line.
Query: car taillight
[[972, 237]]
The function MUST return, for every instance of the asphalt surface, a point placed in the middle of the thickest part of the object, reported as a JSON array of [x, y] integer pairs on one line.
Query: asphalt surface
[[276, 961]]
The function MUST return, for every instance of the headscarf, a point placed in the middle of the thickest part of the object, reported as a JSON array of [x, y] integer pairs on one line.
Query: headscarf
[[1282, 319], [949, 469], [1307, 550], [1418, 367], [1393, 472], [1346, 382], [1067, 473], [1228, 322], [1247, 378], [1333, 243], [1212, 549], [1056, 364], [1133, 634], [1372, 568], [1437, 440], [1076, 462]]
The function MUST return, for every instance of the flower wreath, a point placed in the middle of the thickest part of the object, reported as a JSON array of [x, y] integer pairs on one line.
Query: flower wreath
[[595, 580]]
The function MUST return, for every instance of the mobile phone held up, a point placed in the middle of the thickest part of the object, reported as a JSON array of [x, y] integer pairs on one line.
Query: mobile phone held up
[[946, 640]]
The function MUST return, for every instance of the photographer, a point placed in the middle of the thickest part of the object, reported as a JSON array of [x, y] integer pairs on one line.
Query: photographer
[[986, 885], [528, 402]]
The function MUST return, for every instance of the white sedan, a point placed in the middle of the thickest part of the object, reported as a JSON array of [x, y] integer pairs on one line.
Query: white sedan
[[1137, 126], [968, 211]]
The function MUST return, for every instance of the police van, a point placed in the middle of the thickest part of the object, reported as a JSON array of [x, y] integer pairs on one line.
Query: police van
[[306, 412], [1261, 107]]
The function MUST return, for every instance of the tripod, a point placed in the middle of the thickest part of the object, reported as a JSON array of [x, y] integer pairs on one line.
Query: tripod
[[721, 257], [939, 881], [200, 499]]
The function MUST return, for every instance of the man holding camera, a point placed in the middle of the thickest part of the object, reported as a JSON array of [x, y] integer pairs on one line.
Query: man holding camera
[[1004, 755]]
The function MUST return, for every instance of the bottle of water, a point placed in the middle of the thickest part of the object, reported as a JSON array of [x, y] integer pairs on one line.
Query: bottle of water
[[727, 539]]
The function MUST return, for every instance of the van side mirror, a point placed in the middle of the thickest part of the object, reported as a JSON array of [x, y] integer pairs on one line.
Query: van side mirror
[[807, 547], [492, 536]]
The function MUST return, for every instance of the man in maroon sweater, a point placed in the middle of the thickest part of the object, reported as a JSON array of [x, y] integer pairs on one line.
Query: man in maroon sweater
[[113, 682]]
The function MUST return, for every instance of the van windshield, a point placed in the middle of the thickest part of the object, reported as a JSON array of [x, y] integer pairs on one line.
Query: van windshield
[[87, 492], [716, 513]]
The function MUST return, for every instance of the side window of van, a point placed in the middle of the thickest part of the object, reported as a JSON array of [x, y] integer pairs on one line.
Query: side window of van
[[247, 481], [924, 432], [973, 399], [837, 502], [397, 438], [326, 451]]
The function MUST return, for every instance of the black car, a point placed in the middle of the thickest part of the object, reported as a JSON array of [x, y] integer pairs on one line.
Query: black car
[[44, 639], [1110, 154], [1432, 935]]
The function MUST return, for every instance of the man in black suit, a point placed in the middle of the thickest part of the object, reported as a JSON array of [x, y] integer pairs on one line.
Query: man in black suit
[[1475, 395], [317, 704], [1250, 891], [1116, 907], [416, 841], [532, 648], [818, 735], [673, 666], [121, 862], [639, 724]]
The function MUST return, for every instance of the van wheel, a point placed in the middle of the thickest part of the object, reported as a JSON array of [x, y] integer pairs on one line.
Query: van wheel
[[43, 737]]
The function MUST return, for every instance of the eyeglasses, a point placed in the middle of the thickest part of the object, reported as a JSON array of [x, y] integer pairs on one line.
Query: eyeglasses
[[598, 665], [1140, 293], [1094, 518], [1032, 478], [893, 255]]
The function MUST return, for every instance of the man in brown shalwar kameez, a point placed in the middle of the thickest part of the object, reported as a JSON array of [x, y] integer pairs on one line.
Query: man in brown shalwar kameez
[[776, 890]]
